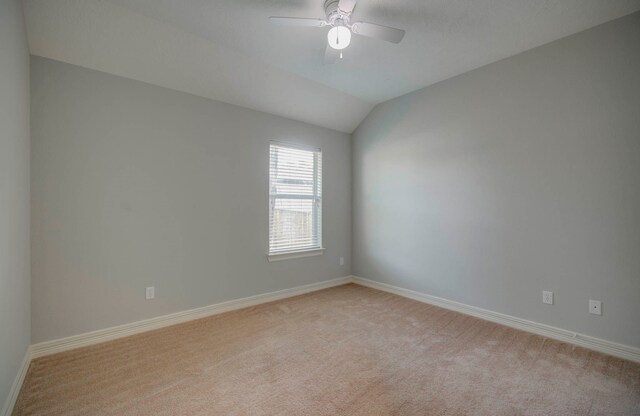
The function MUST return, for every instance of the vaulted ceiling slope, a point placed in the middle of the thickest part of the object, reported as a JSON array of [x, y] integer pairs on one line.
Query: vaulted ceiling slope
[[226, 50]]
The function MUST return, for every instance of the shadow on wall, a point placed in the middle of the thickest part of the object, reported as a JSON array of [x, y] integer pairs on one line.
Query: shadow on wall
[[410, 171]]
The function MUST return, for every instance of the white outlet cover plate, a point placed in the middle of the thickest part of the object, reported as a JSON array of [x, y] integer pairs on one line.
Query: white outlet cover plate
[[150, 292], [547, 297], [595, 307]]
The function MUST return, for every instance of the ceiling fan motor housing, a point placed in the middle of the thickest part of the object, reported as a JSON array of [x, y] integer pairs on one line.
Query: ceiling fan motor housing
[[335, 16]]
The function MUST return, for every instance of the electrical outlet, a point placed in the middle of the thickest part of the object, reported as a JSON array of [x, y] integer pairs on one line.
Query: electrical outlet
[[547, 297], [595, 307], [151, 292], [341, 261]]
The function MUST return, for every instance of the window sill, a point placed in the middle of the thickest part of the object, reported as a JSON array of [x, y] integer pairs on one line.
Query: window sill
[[295, 254]]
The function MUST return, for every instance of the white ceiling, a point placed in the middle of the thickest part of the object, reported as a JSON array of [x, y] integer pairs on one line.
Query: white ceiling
[[227, 50]]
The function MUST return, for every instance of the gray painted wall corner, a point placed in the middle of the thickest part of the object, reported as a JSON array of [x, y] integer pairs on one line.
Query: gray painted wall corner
[[135, 185], [517, 177], [14, 194]]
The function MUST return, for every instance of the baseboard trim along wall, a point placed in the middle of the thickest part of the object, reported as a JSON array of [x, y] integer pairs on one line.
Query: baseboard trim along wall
[[76, 341], [10, 401], [597, 344], [102, 335], [63, 344]]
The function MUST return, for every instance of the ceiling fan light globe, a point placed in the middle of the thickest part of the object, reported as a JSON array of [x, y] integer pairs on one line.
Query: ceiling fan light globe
[[339, 37]]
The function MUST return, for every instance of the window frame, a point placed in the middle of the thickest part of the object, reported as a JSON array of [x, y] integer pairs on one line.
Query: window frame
[[316, 198]]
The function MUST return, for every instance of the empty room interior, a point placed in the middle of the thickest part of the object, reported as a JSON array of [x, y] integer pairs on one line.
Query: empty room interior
[[320, 207]]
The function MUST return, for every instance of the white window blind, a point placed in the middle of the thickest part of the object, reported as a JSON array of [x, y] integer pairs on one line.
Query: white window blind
[[295, 199]]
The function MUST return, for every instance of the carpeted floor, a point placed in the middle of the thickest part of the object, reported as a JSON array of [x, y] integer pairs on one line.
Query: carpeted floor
[[349, 350]]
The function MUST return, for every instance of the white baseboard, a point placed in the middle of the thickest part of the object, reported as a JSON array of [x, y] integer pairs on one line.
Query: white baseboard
[[10, 401], [58, 345], [597, 344], [102, 335]]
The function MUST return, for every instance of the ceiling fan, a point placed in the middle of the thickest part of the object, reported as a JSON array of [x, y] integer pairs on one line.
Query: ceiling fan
[[339, 19]]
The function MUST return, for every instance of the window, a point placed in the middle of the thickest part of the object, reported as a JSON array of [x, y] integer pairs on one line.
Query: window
[[295, 201]]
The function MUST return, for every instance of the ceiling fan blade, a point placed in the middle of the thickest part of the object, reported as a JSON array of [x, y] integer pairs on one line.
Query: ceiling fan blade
[[330, 55], [297, 21], [390, 34], [347, 6]]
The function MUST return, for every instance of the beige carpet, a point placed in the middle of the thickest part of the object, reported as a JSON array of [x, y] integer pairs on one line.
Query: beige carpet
[[349, 350]]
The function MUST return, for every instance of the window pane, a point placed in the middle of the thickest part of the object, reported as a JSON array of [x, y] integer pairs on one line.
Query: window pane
[[292, 171], [292, 224], [295, 204]]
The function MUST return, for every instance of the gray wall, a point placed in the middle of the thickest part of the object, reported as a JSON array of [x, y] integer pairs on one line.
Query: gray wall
[[511, 179], [135, 185], [14, 193]]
